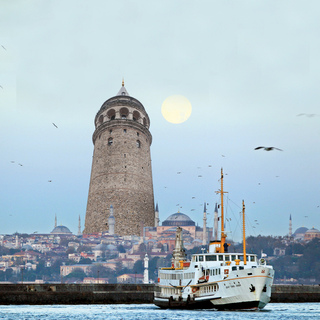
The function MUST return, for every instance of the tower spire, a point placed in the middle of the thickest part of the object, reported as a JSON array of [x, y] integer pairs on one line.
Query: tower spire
[[55, 220], [123, 82]]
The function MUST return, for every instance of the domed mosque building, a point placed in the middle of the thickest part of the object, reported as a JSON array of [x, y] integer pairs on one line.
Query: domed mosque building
[[165, 234], [60, 230], [312, 234]]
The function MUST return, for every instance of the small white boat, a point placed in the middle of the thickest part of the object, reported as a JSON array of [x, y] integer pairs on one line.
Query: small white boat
[[216, 279]]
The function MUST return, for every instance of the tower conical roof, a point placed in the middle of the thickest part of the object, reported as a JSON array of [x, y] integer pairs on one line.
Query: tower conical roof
[[123, 91]]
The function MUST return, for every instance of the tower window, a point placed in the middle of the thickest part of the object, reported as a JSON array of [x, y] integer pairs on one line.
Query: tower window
[[110, 141], [138, 134], [124, 155], [111, 114], [124, 130], [110, 131], [136, 115], [124, 112], [138, 144]]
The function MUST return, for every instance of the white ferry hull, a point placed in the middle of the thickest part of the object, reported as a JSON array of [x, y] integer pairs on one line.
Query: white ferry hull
[[238, 291]]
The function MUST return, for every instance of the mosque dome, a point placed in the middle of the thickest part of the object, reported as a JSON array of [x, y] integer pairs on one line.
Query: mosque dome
[[311, 234], [100, 247], [313, 230], [61, 230], [178, 219], [301, 230]]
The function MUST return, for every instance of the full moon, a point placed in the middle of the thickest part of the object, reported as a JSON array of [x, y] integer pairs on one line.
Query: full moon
[[176, 109]]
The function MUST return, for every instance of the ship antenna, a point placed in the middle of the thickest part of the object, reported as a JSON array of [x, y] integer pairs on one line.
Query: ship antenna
[[244, 234], [223, 235]]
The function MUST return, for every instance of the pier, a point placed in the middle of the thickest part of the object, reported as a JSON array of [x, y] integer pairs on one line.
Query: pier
[[40, 294]]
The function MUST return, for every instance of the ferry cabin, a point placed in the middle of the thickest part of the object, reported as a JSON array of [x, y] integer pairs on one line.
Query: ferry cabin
[[204, 271]]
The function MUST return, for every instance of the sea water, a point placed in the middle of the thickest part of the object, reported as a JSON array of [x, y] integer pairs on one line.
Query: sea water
[[273, 311]]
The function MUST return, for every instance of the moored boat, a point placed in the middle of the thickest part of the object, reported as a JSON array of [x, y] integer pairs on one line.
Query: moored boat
[[216, 279]]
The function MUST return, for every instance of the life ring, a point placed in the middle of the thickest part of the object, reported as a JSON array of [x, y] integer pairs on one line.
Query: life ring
[[194, 289], [226, 271]]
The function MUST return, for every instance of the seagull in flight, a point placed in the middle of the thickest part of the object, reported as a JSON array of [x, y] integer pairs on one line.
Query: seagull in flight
[[309, 115], [178, 172], [268, 148], [55, 125], [3, 47]]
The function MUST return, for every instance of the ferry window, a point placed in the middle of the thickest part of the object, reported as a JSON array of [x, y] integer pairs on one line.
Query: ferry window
[[234, 268], [200, 258], [196, 258], [252, 258], [220, 258], [240, 257], [227, 258], [241, 267], [233, 257], [211, 258]]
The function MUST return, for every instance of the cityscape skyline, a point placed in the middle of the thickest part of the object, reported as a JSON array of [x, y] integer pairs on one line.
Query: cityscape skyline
[[249, 70]]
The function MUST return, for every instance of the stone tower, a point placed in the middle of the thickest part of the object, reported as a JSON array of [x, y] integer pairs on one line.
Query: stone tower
[[121, 168]]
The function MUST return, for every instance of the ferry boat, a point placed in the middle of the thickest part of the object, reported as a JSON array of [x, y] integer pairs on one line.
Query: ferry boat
[[217, 279]]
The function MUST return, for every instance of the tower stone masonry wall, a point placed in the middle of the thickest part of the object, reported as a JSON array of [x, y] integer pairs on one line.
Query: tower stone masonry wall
[[121, 173]]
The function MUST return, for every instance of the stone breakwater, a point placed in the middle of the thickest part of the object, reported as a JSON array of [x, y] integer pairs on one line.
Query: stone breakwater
[[39, 294]]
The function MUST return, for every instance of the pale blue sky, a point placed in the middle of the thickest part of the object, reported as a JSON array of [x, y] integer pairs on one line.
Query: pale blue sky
[[247, 67]]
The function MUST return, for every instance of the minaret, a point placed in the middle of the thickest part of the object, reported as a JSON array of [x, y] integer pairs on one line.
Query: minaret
[[121, 167], [55, 220], [17, 241], [290, 226], [156, 216], [215, 225], [204, 233], [111, 222], [79, 227]]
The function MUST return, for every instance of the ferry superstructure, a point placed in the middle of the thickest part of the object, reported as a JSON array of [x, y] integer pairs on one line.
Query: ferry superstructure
[[216, 279]]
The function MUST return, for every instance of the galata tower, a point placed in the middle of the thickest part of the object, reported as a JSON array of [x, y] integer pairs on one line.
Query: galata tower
[[121, 173]]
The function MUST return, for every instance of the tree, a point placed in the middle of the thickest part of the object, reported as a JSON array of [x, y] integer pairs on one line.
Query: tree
[[121, 249], [77, 274], [138, 266], [85, 261]]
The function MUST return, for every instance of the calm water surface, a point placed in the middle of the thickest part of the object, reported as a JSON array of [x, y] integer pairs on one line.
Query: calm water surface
[[279, 311]]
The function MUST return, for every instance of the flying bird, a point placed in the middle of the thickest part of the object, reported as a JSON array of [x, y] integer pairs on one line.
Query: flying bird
[[1, 87], [309, 115], [199, 176], [193, 197], [12, 161], [222, 155], [179, 172], [209, 165], [55, 125], [49, 180], [268, 148], [3, 47], [20, 164]]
